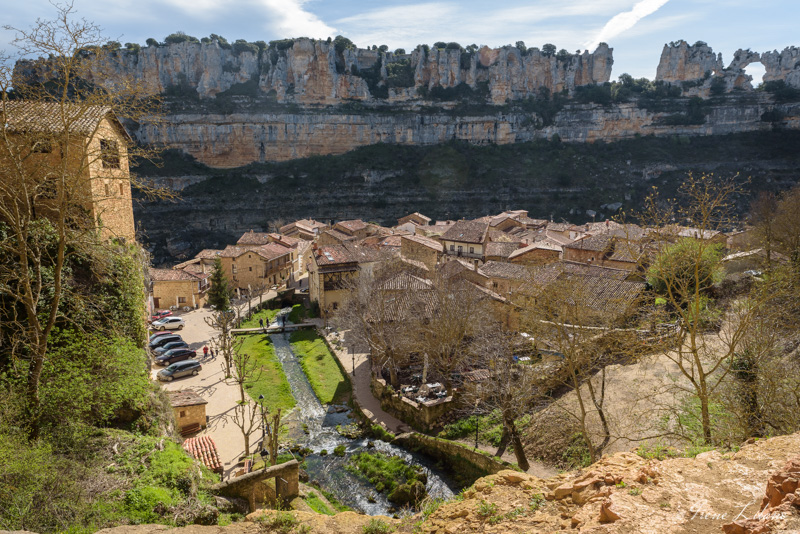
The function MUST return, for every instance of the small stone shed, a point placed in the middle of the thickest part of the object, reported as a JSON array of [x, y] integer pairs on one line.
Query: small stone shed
[[189, 409]]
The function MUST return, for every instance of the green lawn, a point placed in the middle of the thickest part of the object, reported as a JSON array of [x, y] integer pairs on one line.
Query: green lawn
[[325, 376], [272, 383], [261, 314], [300, 313]]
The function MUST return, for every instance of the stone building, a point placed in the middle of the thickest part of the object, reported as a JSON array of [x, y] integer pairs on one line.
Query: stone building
[[189, 408], [333, 270], [306, 229], [466, 239], [604, 250], [421, 249], [504, 278], [96, 172], [538, 253], [250, 266], [178, 287], [416, 218]]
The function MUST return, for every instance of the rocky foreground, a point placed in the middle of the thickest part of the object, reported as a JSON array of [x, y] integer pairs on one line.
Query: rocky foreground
[[752, 491]]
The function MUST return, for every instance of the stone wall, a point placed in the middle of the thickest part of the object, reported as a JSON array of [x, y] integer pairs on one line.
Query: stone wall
[[168, 293], [251, 486], [191, 415], [467, 462], [422, 416]]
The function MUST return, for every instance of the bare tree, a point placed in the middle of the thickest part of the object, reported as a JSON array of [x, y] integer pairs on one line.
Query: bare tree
[[224, 342], [246, 371], [44, 173], [272, 430]]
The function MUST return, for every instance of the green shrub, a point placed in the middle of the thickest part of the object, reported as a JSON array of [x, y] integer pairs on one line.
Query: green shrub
[[486, 509], [377, 526]]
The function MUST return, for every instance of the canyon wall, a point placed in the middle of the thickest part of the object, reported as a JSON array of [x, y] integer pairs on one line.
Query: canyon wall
[[234, 140]]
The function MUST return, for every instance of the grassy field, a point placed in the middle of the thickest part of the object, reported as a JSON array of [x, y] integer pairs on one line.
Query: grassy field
[[324, 374], [261, 314], [272, 383]]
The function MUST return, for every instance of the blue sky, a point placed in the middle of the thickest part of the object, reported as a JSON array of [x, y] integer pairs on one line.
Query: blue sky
[[636, 29]]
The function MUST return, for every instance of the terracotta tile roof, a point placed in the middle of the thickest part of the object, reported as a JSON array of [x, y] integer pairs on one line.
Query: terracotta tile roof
[[307, 225], [24, 115], [558, 227], [552, 271], [597, 243], [253, 238], [405, 281], [284, 240], [354, 225], [425, 241], [414, 263], [171, 275], [185, 397], [606, 295], [500, 236], [557, 238], [415, 214], [337, 235], [347, 253], [539, 245], [502, 250], [392, 241], [467, 232], [269, 251], [508, 271], [207, 254]]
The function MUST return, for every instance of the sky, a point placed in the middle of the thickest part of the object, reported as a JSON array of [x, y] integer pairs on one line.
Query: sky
[[636, 29]]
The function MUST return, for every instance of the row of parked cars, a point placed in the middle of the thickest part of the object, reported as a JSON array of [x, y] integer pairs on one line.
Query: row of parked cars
[[169, 349]]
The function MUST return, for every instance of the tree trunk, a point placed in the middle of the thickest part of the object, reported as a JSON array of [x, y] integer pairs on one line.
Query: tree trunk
[[510, 427], [393, 379], [504, 439]]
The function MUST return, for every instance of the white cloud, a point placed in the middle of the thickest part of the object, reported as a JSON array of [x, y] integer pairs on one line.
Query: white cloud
[[626, 20], [293, 20]]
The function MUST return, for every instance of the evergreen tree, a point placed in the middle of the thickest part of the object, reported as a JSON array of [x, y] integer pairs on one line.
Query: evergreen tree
[[219, 292]]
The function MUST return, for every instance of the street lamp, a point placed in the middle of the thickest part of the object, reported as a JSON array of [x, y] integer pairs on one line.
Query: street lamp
[[477, 420], [353, 355], [263, 421]]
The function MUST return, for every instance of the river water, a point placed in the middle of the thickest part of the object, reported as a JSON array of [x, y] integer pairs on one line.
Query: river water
[[319, 433]]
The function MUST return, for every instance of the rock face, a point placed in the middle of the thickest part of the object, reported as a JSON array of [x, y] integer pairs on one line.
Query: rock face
[[696, 68], [234, 140]]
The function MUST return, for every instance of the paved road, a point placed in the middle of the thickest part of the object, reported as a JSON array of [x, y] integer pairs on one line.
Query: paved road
[[210, 385]]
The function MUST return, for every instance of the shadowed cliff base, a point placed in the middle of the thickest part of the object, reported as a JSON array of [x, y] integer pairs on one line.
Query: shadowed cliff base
[[380, 183]]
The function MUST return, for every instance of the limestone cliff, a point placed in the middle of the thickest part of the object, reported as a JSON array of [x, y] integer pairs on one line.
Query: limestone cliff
[[697, 68]]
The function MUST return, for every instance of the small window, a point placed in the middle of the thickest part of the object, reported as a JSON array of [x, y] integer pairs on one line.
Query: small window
[[181, 300], [109, 154], [460, 248], [108, 191], [251, 268], [452, 247], [472, 250], [182, 413], [121, 190], [335, 305]]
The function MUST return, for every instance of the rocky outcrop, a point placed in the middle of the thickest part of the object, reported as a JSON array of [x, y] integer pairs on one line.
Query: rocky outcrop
[[697, 69], [310, 72], [234, 140]]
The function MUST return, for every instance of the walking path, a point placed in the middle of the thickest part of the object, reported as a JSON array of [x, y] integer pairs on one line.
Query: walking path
[[211, 385], [361, 383]]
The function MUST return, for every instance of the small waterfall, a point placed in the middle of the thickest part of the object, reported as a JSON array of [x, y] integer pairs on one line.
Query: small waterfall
[[320, 425]]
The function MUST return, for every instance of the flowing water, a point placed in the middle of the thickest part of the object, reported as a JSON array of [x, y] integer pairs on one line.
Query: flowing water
[[319, 425]]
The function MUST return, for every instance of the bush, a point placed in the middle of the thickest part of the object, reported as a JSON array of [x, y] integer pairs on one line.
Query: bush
[[241, 46], [377, 526], [180, 37]]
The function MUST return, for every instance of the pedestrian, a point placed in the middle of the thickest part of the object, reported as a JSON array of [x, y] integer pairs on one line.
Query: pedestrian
[[205, 352], [212, 354], [261, 322]]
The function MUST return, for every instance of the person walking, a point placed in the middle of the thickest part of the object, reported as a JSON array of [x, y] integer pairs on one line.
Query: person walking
[[261, 322], [205, 352]]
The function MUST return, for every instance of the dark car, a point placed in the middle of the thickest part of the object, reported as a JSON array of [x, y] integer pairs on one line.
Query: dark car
[[161, 333], [160, 341], [158, 351], [175, 355], [180, 369]]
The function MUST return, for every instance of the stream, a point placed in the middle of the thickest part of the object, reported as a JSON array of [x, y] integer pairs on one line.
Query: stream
[[319, 432]]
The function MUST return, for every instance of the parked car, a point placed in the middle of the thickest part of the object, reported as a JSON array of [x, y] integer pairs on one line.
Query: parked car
[[160, 333], [180, 369], [168, 323], [160, 314], [160, 341], [158, 351], [175, 355]]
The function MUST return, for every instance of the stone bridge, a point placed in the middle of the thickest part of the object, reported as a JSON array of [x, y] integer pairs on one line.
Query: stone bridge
[[252, 486]]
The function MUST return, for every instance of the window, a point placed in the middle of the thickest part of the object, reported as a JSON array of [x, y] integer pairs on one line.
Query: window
[[460, 249], [472, 250], [233, 268], [108, 190], [182, 413], [335, 305], [109, 154], [43, 146], [181, 300], [251, 269], [121, 190], [452, 247]]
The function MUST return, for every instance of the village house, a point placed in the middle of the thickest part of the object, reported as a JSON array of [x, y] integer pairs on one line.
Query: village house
[[333, 237], [500, 250], [416, 218], [97, 171], [604, 250], [504, 278], [355, 228], [253, 266], [178, 287], [466, 239], [189, 409], [457, 268], [294, 246], [426, 250], [539, 253], [306, 229], [332, 271]]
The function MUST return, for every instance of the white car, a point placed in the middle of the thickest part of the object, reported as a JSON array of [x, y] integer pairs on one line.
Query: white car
[[168, 323]]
